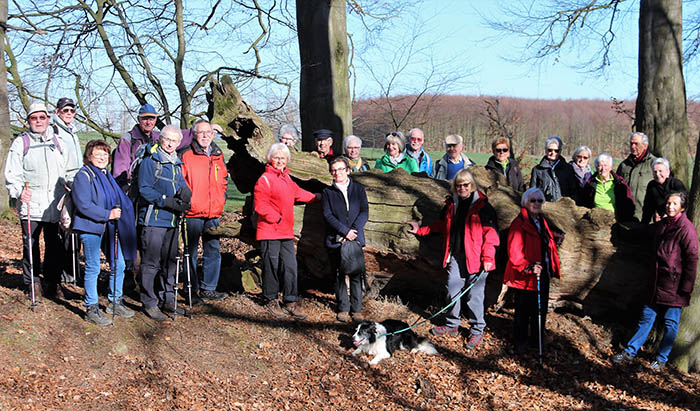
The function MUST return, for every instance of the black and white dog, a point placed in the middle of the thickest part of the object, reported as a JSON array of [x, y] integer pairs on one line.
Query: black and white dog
[[377, 339]]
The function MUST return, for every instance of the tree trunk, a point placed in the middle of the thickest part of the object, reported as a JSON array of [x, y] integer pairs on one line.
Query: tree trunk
[[661, 106], [324, 97], [5, 134]]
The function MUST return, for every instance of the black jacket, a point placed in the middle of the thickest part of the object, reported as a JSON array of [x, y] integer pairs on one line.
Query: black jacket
[[655, 198], [339, 219], [556, 182], [512, 172]]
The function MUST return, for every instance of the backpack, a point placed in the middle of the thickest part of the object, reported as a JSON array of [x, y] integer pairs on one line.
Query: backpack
[[28, 144], [144, 151], [66, 210]]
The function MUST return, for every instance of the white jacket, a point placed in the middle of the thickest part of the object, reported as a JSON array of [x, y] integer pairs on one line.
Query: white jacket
[[71, 146], [44, 167]]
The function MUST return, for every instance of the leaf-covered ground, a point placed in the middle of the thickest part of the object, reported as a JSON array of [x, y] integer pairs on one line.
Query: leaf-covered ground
[[231, 355]]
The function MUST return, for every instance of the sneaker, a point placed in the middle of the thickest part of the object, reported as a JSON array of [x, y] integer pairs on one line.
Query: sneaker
[[474, 341], [95, 316], [621, 357], [294, 309], [444, 330], [273, 307], [119, 309], [154, 313], [657, 365], [357, 317], [343, 317], [211, 295], [171, 308]]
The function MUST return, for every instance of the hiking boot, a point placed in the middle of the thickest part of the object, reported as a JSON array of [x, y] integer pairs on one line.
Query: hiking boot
[[154, 313], [273, 307], [343, 317], [54, 291], [37, 292], [170, 308], [294, 309], [444, 330], [621, 357], [196, 301], [211, 295], [357, 317], [119, 309], [474, 341], [657, 365], [95, 316]]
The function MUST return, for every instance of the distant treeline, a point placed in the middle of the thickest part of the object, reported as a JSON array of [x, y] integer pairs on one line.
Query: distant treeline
[[603, 125]]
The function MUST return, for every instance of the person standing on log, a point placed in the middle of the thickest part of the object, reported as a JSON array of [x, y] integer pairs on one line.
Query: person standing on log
[[352, 146], [636, 170], [532, 253], [608, 191], [676, 245], [662, 185], [324, 144], [470, 237], [346, 211], [502, 163], [275, 193], [416, 138], [394, 155], [553, 175], [453, 161]]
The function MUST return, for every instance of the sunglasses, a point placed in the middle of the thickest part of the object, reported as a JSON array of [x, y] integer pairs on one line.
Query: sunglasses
[[581, 158], [536, 200], [463, 185], [553, 150], [416, 139], [501, 150], [67, 110], [35, 118]]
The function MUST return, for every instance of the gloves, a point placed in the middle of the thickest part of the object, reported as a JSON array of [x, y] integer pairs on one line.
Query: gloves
[[184, 194], [176, 205]]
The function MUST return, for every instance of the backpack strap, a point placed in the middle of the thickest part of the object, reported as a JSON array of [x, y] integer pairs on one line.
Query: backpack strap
[[27, 144]]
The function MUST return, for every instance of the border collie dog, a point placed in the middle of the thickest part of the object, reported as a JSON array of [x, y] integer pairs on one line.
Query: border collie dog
[[377, 339]]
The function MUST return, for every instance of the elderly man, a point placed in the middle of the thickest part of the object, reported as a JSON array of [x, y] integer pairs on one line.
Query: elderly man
[[663, 184], [205, 173], [142, 133], [636, 170], [324, 144], [36, 174], [453, 160], [164, 198], [416, 151]]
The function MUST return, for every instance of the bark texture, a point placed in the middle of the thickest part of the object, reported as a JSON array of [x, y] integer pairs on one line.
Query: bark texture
[[5, 134]]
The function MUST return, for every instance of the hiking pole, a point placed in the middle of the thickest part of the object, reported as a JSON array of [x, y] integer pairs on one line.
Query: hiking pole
[[177, 278], [114, 267], [186, 253], [74, 257], [539, 317], [31, 257]]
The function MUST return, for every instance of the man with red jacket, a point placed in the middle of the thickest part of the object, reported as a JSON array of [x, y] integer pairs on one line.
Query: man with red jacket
[[205, 173]]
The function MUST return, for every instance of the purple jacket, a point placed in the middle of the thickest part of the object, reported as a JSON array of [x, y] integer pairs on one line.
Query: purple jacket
[[676, 242]]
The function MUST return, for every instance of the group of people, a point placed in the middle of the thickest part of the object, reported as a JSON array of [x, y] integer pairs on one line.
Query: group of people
[[162, 185]]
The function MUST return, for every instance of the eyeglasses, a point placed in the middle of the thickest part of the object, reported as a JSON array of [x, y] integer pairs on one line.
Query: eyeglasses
[[501, 150], [537, 200], [463, 185], [36, 118], [169, 140], [416, 139], [553, 150], [147, 118], [352, 148], [67, 110], [207, 133], [581, 158], [451, 145], [337, 170]]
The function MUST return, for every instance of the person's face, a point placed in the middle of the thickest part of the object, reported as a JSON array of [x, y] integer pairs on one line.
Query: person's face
[[416, 140], [169, 142], [464, 189], [453, 150], [673, 206], [534, 205], [552, 151], [637, 147], [393, 149], [279, 161], [604, 169], [204, 134], [582, 159], [38, 122], [501, 152], [147, 124], [339, 172], [66, 114], [353, 150], [323, 145], [99, 158], [287, 139], [661, 173]]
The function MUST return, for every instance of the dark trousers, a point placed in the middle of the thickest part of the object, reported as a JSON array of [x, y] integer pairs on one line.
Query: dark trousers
[[279, 263], [525, 324], [53, 252], [354, 303], [211, 255], [71, 256], [158, 260]]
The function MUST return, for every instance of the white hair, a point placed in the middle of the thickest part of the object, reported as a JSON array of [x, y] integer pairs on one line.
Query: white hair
[[553, 139], [288, 129], [350, 139], [531, 192], [645, 139], [663, 161], [603, 158], [171, 129], [583, 148], [277, 148]]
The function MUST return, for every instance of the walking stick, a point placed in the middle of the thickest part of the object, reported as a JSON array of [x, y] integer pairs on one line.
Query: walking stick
[[177, 285], [186, 252], [114, 268], [31, 257], [72, 246], [539, 318]]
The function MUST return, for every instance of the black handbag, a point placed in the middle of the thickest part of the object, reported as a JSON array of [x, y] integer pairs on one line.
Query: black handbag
[[352, 259]]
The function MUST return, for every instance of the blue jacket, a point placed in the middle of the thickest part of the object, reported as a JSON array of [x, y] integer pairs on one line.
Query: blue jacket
[[340, 220], [425, 163], [158, 180]]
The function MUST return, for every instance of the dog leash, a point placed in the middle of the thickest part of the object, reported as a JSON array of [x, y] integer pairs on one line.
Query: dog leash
[[454, 300]]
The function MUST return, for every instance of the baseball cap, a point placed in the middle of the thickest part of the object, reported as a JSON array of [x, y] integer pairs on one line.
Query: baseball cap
[[65, 101], [453, 139], [147, 110], [37, 107]]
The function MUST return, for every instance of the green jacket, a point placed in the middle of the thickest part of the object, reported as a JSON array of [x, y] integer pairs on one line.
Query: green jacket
[[407, 163], [637, 176]]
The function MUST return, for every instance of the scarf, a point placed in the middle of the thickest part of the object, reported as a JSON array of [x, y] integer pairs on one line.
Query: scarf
[[580, 172], [396, 160], [355, 165], [641, 157], [167, 158]]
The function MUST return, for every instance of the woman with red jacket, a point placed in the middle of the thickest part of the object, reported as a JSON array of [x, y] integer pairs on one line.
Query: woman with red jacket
[[532, 252], [470, 237], [275, 194]]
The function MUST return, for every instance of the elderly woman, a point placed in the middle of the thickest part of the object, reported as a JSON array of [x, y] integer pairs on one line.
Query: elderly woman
[[501, 163], [101, 207], [676, 247], [608, 191], [275, 194], [582, 170], [288, 135], [346, 211], [654, 206], [553, 175], [532, 258], [352, 146], [470, 236], [394, 156]]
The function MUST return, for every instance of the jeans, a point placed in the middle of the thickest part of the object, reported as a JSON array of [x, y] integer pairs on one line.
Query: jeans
[[672, 316], [91, 248], [211, 256], [53, 252], [457, 276], [279, 263]]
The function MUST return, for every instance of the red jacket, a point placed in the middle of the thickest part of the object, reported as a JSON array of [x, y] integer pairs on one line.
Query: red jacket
[[525, 249], [275, 194], [480, 234], [207, 177]]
